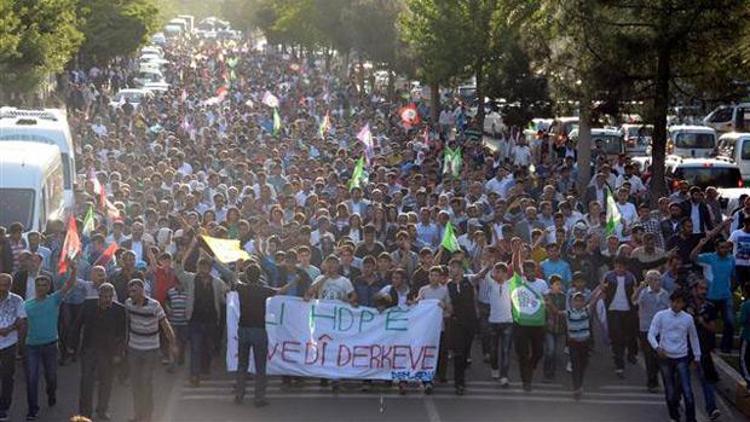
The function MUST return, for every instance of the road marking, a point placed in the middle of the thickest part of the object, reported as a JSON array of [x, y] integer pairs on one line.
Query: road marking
[[432, 412], [444, 390], [449, 396]]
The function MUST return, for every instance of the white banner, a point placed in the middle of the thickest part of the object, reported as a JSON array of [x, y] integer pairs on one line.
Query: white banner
[[330, 339]]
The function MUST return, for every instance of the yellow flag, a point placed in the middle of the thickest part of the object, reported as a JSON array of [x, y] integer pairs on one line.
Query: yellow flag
[[226, 250]]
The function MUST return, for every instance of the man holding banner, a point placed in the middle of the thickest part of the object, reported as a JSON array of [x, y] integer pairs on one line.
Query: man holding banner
[[251, 333]]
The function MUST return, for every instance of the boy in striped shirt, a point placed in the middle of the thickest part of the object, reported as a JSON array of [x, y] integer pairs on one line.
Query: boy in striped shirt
[[176, 305], [578, 319]]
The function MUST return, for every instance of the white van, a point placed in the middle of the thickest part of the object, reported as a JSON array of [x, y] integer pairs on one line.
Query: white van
[[691, 141], [48, 126], [32, 188], [736, 147], [729, 118]]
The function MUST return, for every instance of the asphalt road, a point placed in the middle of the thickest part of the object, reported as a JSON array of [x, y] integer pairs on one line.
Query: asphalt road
[[606, 398]]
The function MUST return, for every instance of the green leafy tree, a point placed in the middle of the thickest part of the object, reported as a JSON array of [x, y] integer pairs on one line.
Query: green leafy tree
[[116, 28], [37, 39], [435, 43]]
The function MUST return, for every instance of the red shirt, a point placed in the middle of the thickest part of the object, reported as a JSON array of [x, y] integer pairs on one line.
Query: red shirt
[[164, 279]]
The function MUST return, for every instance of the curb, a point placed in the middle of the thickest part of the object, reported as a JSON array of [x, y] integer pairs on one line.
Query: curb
[[731, 386]]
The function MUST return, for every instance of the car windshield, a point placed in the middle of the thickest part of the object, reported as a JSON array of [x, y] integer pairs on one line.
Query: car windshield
[[636, 131], [612, 144], [719, 177], [134, 97], [16, 205], [694, 140], [745, 150]]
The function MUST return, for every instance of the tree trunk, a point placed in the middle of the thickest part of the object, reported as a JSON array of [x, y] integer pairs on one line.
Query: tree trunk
[[345, 65], [659, 140], [391, 84], [361, 78], [478, 73], [434, 104], [584, 147]]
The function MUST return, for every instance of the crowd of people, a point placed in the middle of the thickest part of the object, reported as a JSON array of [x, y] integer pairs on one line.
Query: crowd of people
[[217, 156]]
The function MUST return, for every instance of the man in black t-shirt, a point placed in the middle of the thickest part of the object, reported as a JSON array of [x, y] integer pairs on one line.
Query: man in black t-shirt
[[103, 344], [251, 333]]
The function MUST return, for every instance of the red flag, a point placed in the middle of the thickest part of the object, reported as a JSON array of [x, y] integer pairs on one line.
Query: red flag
[[107, 255], [409, 115], [71, 246]]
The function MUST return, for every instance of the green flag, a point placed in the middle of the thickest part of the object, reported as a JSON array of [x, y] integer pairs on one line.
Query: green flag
[[613, 214], [88, 222], [358, 176], [276, 122], [452, 161], [527, 305], [450, 242]]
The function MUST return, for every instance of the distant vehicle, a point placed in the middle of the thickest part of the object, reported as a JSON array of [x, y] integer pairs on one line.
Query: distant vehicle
[[493, 123], [704, 172], [134, 96], [735, 146], [229, 34], [182, 23], [156, 87], [158, 39], [152, 49], [691, 141], [45, 126], [145, 76], [173, 31], [729, 118], [32, 185], [560, 128], [189, 20], [611, 139], [637, 138]]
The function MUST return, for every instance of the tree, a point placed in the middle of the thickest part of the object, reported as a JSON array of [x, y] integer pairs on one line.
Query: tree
[[116, 28], [512, 77], [36, 40], [435, 42], [651, 49]]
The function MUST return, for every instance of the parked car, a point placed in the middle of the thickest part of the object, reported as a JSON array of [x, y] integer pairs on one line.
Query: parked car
[[735, 146], [637, 138], [729, 118], [133, 95], [611, 139], [689, 141]]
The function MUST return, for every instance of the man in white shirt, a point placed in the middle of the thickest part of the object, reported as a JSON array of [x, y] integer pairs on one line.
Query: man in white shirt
[[521, 154], [12, 320], [628, 212], [669, 333], [501, 323]]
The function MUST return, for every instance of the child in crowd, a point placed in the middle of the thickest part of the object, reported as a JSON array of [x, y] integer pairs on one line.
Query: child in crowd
[[555, 336], [578, 320]]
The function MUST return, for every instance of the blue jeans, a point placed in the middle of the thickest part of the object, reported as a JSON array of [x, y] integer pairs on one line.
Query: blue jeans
[[257, 339], [200, 347], [553, 345], [707, 385], [726, 306], [44, 356], [142, 365], [672, 372], [501, 339]]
